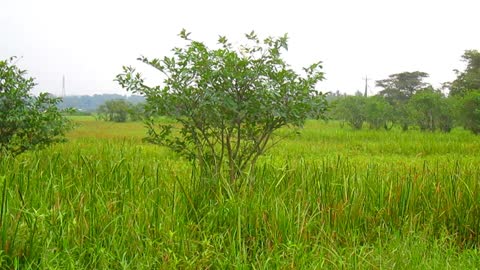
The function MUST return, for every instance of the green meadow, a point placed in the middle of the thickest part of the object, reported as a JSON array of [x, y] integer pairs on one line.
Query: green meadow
[[328, 198]]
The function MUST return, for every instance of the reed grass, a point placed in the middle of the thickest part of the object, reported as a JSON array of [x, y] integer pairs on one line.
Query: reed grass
[[330, 198]]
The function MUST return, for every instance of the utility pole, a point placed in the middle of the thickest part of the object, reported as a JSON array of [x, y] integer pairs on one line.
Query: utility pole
[[63, 87], [366, 86]]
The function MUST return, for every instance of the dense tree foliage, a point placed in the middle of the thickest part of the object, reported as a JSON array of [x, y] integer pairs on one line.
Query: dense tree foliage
[[469, 79], [406, 100], [228, 101], [427, 109], [470, 111], [379, 113], [26, 121], [466, 88], [352, 110], [398, 89], [431, 110], [89, 104], [358, 110], [120, 110], [136, 111]]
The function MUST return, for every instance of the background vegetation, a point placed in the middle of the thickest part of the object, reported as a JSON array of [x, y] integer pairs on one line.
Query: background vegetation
[[90, 104], [407, 101]]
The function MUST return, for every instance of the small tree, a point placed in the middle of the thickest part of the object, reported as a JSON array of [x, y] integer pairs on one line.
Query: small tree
[[26, 121], [449, 113], [431, 110], [378, 112], [401, 86], [228, 102], [351, 109], [116, 110], [136, 112], [470, 111], [398, 89], [469, 79]]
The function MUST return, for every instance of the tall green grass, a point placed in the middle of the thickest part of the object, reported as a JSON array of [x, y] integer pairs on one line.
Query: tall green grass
[[330, 198]]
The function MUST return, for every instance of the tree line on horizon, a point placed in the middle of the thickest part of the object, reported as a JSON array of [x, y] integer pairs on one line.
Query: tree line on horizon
[[91, 103], [407, 101]]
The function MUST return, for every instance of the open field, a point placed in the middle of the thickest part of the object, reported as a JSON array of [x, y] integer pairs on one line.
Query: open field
[[329, 198]]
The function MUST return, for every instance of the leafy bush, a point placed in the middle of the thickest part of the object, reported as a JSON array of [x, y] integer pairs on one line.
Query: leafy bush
[[470, 111], [26, 121], [431, 110], [378, 112], [228, 101], [351, 109]]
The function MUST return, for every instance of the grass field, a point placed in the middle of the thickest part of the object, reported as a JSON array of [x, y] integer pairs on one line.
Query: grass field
[[330, 198]]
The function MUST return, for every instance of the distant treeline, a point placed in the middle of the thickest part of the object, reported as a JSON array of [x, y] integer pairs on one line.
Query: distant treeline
[[92, 103], [407, 101]]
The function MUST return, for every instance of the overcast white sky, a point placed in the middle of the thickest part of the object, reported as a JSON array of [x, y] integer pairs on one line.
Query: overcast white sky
[[89, 41]]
